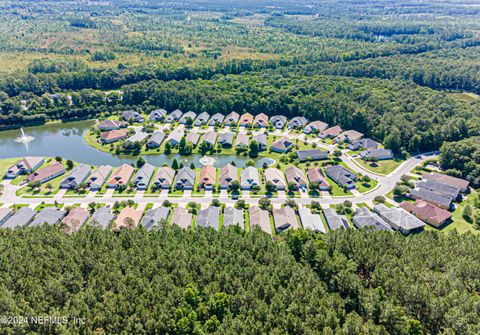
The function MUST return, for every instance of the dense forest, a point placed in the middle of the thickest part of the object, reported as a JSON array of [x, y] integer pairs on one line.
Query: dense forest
[[173, 281]]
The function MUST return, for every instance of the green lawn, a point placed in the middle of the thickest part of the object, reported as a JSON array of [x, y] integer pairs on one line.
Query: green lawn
[[383, 167], [458, 222], [5, 164], [364, 187]]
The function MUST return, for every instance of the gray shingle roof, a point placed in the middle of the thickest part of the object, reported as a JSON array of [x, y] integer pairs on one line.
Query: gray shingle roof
[[341, 175], [48, 215], [21, 218], [226, 139], [335, 221], [233, 217], [143, 175], [216, 118], [185, 178], [249, 177], [311, 221], [312, 154], [154, 216], [439, 187], [365, 218], [431, 197], [379, 153], [399, 219], [102, 218], [77, 176], [202, 119], [298, 122], [156, 140], [208, 217]]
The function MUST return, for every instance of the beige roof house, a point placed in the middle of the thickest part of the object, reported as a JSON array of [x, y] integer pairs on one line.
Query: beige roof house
[[261, 120], [246, 120], [231, 118], [315, 175], [164, 177], [121, 176], [24, 166], [182, 218], [242, 140], [99, 176], [285, 218], [208, 174], [129, 217], [260, 218], [228, 174], [75, 219], [296, 176], [275, 176]]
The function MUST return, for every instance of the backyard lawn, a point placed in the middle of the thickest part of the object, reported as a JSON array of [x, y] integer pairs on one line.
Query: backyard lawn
[[381, 167]]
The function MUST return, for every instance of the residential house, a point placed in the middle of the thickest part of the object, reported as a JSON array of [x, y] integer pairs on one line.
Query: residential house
[[246, 120], [98, 177], [363, 144], [440, 200], [330, 132], [24, 166], [114, 135], [260, 120], [399, 219], [208, 217], [233, 217], [164, 177], [311, 155], [261, 140], [315, 127], [242, 141], [137, 137], [249, 177], [335, 221], [175, 137], [75, 219], [259, 218], [174, 116], [193, 138], [365, 218], [379, 154], [22, 217], [47, 173], [128, 217], [275, 176], [157, 114], [216, 119], [296, 176], [228, 174], [48, 215], [349, 136], [185, 179], [462, 184], [133, 116], [188, 115], [102, 218], [154, 217], [298, 122], [436, 186], [431, 214], [208, 175], [342, 176], [285, 218], [121, 176], [143, 176], [315, 175], [210, 137], [232, 118], [5, 214], [156, 140], [226, 140], [182, 218], [311, 221], [202, 119], [278, 121], [109, 125], [76, 177], [282, 145]]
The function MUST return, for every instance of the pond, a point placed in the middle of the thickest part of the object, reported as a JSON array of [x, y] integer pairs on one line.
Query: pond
[[66, 140]]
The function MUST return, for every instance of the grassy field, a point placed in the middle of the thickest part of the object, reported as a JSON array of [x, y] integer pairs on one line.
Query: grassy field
[[381, 167], [5, 164]]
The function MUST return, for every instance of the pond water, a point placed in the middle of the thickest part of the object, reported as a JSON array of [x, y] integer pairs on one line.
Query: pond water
[[66, 140]]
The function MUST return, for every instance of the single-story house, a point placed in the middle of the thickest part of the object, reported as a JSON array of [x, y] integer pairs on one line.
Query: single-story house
[[47, 173], [379, 154], [157, 115], [114, 135], [275, 176], [342, 176], [122, 220], [208, 217], [330, 132], [5, 214], [315, 127], [185, 179], [363, 144], [175, 137], [226, 139], [278, 121], [76, 218], [202, 119], [188, 115], [21, 218], [109, 125], [249, 177], [216, 119], [208, 175], [296, 176], [436, 186], [335, 221], [285, 218], [228, 174], [365, 218], [143, 176], [48, 215], [102, 218], [210, 137], [233, 217], [282, 145], [121, 176], [137, 137], [311, 221], [76, 177], [242, 140], [131, 115], [261, 140], [174, 116], [156, 140], [98, 177], [246, 120], [311, 155], [193, 138], [298, 122], [164, 177], [349, 136], [260, 120], [431, 214], [261, 218], [437, 199], [182, 218], [232, 118], [315, 175], [399, 219], [24, 166], [462, 184], [155, 216]]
